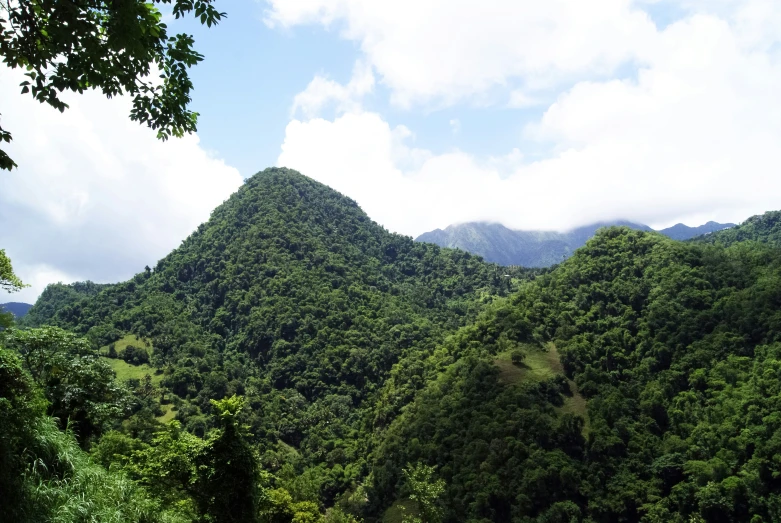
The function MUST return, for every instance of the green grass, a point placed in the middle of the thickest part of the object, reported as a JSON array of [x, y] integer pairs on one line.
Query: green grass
[[397, 511], [576, 404], [65, 485], [129, 339], [126, 371], [168, 414], [541, 364]]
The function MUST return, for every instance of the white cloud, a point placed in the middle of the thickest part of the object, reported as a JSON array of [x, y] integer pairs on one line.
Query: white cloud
[[445, 51], [95, 195], [694, 137], [322, 92], [455, 125], [521, 100], [362, 156]]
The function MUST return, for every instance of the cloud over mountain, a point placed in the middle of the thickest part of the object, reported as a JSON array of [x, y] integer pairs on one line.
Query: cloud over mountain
[[654, 122]]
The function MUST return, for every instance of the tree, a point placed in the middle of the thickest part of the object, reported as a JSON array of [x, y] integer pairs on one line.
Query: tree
[[9, 282], [227, 482], [135, 355], [517, 356], [112, 46], [425, 492], [81, 389], [167, 468], [21, 404], [6, 319], [279, 507]]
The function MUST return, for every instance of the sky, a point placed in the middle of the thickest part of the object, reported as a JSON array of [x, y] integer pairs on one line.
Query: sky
[[537, 115]]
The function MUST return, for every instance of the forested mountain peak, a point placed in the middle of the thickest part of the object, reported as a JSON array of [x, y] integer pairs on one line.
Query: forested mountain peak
[[764, 228], [530, 248], [290, 295], [374, 368], [675, 348]]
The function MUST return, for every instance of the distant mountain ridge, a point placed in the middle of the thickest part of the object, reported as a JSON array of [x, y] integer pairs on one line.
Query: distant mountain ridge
[[499, 244], [18, 309], [764, 228], [683, 232]]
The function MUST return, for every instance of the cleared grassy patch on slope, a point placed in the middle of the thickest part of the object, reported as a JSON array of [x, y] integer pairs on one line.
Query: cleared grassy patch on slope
[[168, 414], [126, 371], [538, 365], [399, 509], [121, 344], [541, 364]]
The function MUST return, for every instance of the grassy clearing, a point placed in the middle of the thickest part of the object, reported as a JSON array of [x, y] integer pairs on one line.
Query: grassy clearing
[[168, 414], [129, 339], [538, 365], [397, 511], [126, 371], [576, 404], [541, 364]]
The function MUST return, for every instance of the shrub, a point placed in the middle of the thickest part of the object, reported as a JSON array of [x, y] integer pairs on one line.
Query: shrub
[[517, 356], [135, 355]]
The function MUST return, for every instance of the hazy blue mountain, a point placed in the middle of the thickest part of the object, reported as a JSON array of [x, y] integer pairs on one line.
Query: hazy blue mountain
[[496, 243], [499, 244], [18, 309], [682, 232]]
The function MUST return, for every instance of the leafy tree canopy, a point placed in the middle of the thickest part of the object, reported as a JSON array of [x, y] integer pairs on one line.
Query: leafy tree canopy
[[116, 47], [645, 386], [764, 228], [80, 388], [9, 281]]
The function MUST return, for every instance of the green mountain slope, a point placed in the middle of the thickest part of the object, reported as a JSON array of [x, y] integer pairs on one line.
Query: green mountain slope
[[292, 296], [639, 380], [763, 228], [675, 347], [57, 296]]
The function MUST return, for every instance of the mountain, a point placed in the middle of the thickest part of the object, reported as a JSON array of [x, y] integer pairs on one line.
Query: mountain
[[293, 297], [16, 308], [632, 354], [638, 380], [57, 296], [498, 244], [683, 232], [764, 228]]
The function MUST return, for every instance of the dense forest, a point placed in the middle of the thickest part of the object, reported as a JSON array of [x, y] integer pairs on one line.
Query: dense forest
[[292, 361], [764, 228], [496, 243]]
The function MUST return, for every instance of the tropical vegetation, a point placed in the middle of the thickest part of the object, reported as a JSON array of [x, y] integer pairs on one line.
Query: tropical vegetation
[[292, 361]]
